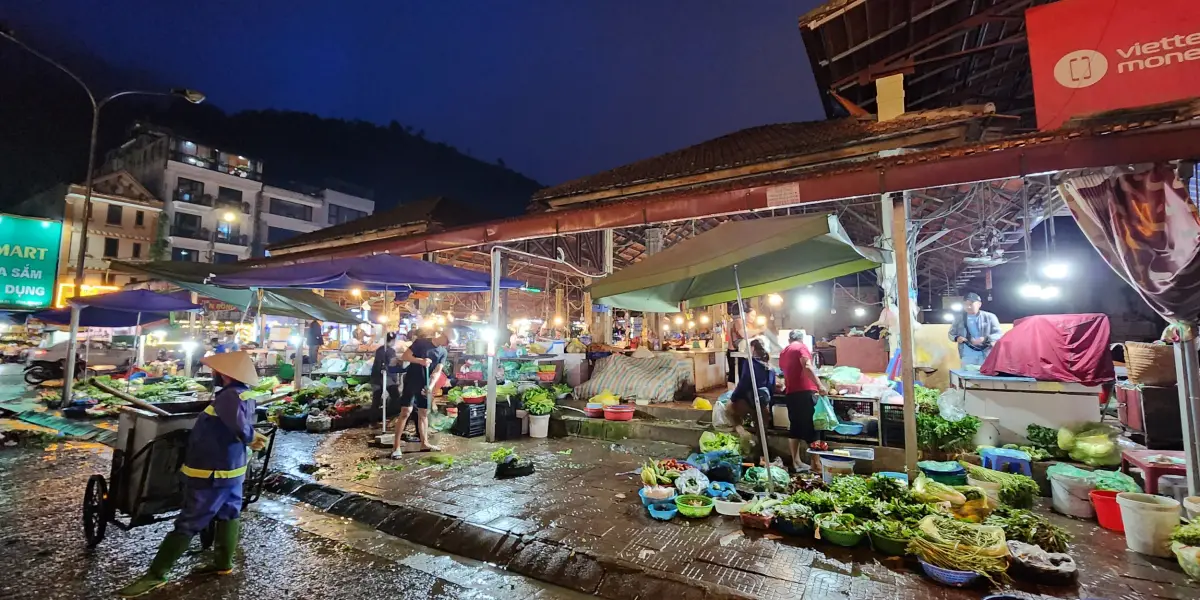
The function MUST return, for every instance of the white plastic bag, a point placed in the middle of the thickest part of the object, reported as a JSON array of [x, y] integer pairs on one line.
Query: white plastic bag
[[692, 481], [952, 405]]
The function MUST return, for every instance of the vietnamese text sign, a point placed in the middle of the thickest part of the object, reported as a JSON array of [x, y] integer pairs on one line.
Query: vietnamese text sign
[[1091, 56], [28, 261]]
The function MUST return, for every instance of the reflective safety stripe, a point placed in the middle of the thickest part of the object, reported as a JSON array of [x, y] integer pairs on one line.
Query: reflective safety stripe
[[207, 474], [210, 411]]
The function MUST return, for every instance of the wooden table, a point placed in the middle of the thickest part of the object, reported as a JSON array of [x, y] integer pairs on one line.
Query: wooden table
[[1151, 471]]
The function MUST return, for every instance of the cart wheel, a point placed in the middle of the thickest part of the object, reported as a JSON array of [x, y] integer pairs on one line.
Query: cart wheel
[[207, 535], [95, 513], [35, 376]]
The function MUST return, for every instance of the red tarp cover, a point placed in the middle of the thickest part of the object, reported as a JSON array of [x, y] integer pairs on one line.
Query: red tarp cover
[[1066, 348]]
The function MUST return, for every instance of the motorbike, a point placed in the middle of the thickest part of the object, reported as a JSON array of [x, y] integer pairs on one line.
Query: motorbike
[[39, 371]]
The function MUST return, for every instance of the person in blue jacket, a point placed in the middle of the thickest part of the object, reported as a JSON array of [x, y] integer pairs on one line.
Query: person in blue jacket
[[214, 468], [741, 401]]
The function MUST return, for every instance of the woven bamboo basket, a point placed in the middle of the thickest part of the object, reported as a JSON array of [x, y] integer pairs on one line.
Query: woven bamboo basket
[[1150, 364]]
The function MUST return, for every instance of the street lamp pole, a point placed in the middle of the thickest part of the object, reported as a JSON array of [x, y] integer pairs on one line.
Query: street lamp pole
[[190, 95]]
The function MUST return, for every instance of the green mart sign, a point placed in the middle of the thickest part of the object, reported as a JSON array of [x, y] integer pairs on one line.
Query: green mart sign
[[28, 261]]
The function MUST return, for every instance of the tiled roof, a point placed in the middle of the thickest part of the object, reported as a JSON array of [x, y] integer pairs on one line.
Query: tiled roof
[[435, 211], [761, 144]]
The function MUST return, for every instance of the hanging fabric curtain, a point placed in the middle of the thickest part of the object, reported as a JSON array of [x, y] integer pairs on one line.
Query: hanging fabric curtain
[[1147, 229]]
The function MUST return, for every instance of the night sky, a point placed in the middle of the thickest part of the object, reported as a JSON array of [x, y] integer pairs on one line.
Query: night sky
[[558, 89]]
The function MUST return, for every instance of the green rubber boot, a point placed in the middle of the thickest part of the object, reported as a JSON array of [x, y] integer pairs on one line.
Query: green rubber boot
[[172, 547], [225, 543]]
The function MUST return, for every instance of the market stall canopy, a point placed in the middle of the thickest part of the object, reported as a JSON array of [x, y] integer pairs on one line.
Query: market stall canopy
[[119, 309], [298, 304], [380, 272], [772, 255]]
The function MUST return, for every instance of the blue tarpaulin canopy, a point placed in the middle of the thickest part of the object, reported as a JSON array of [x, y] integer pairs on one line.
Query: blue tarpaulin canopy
[[119, 309], [380, 272]]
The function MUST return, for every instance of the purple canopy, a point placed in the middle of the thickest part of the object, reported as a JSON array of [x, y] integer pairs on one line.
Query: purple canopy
[[380, 272], [98, 317], [135, 301], [120, 309]]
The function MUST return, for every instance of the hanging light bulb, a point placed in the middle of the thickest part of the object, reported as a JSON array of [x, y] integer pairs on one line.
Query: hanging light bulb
[[704, 319], [860, 312], [775, 300], [679, 319]]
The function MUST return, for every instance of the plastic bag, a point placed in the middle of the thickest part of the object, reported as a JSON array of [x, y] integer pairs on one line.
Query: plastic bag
[[844, 375], [692, 481], [1188, 558], [1115, 481], [952, 405], [755, 475], [824, 419]]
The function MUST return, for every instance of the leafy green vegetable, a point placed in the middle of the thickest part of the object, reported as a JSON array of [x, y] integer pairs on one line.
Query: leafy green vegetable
[[444, 460], [936, 433], [715, 440], [839, 522], [499, 455], [889, 528], [1025, 526], [1017, 491], [819, 501], [1188, 535], [454, 395], [885, 488], [562, 388], [507, 389], [539, 404], [1045, 438], [798, 515]]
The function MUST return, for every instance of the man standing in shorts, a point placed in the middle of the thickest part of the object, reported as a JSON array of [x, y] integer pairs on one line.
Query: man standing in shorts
[[801, 385], [425, 358]]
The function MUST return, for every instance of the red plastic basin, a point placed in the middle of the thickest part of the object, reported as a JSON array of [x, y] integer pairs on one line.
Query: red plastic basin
[[618, 413], [474, 399], [1108, 512]]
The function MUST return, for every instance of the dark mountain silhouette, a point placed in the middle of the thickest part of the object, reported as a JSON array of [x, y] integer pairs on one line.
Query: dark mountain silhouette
[[45, 117]]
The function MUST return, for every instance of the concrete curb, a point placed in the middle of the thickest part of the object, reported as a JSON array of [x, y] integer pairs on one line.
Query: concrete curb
[[527, 554]]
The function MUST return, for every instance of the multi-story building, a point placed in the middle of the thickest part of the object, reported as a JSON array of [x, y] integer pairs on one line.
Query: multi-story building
[[210, 196], [125, 226], [215, 202]]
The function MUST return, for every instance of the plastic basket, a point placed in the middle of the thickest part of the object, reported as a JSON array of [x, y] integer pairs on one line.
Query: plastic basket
[[663, 511], [694, 512], [647, 501], [841, 538], [949, 577], [727, 508], [888, 546], [756, 521], [618, 413], [788, 528], [547, 376], [474, 399]]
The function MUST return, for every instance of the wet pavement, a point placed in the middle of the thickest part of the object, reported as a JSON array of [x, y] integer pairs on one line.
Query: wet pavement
[[350, 522], [289, 551], [578, 522]]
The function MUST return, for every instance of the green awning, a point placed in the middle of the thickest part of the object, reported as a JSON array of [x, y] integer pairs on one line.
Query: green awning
[[772, 255], [299, 304]]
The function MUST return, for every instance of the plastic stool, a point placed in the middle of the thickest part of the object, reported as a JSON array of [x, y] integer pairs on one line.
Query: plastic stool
[[998, 459]]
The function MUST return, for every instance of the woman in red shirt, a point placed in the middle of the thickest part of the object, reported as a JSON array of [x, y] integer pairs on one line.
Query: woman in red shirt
[[801, 385]]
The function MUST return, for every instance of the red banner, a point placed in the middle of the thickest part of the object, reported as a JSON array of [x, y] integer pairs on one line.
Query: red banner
[[1091, 56]]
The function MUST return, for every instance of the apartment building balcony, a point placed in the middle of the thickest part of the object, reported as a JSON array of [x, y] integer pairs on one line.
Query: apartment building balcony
[[191, 233], [216, 165], [182, 195], [220, 203], [232, 240]]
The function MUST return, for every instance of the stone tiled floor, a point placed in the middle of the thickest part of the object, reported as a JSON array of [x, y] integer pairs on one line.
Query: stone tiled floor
[[584, 498]]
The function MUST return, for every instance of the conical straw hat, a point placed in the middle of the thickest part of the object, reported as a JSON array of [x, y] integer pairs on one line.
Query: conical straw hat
[[237, 365]]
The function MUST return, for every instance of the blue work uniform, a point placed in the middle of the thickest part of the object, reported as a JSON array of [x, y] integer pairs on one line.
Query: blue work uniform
[[764, 376], [215, 464]]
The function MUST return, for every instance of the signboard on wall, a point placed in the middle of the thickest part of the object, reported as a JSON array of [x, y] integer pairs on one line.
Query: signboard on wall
[[28, 262], [1091, 56]]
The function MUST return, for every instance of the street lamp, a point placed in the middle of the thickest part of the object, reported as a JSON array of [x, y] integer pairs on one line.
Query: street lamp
[[190, 95]]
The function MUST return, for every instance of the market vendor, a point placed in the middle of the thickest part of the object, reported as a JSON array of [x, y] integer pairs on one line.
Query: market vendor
[[214, 468], [426, 358], [740, 402], [385, 374], [975, 331], [801, 386], [315, 340]]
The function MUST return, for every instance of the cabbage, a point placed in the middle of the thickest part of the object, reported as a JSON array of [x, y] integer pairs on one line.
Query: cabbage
[[1066, 439]]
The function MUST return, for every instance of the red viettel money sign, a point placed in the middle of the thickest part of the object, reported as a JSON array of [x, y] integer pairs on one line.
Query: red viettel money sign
[[1091, 56]]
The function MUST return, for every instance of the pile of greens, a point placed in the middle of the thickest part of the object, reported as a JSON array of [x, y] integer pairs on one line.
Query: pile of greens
[[1188, 535], [950, 544], [1017, 491], [560, 389], [798, 515], [934, 433], [507, 389], [1045, 439], [538, 402], [715, 440], [502, 454], [1025, 526], [840, 522], [888, 528]]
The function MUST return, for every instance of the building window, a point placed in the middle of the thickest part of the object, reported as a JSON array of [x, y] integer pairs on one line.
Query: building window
[[110, 279], [228, 232], [279, 234], [139, 219], [111, 247], [137, 250], [183, 255], [222, 258], [293, 210], [341, 214], [189, 190], [114, 215], [229, 195]]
